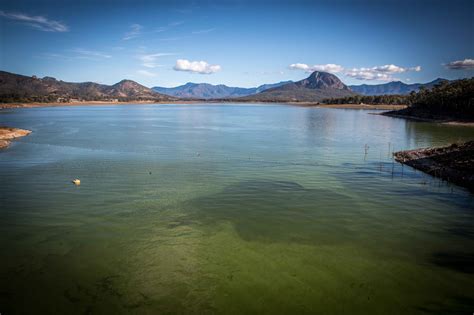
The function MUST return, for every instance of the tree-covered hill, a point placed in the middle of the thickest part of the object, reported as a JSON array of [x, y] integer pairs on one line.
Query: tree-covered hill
[[446, 101], [25, 89]]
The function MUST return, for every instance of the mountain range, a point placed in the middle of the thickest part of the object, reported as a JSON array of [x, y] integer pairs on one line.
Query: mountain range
[[318, 86], [209, 91], [20, 88], [392, 88]]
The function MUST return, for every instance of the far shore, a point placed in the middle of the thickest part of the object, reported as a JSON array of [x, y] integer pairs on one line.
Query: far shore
[[355, 106], [208, 101]]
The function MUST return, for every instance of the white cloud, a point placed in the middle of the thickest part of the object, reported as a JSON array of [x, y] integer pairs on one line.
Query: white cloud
[[382, 73], [330, 67], [201, 67], [392, 69], [146, 73], [38, 22], [135, 31], [466, 64], [368, 75], [149, 60]]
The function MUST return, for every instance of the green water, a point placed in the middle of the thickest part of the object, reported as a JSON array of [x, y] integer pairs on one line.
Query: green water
[[232, 209]]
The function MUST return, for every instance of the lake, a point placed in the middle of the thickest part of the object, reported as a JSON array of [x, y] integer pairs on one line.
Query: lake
[[234, 209]]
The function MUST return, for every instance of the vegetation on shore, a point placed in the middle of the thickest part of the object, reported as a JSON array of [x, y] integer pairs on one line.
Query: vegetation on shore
[[369, 100], [445, 102], [454, 163]]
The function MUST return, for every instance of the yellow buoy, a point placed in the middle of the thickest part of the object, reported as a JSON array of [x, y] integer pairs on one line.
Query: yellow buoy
[[76, 182]]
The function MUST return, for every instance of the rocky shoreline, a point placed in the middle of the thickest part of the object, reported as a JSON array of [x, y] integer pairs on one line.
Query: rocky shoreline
[[454, 163], [7, 134]]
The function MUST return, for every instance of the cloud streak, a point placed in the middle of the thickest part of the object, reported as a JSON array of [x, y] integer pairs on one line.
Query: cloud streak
[[90, 53], [149, 60], [201, 67], [204, 31], [176, 23], [466, 64], [135, 31], [37, 22], [77, 53]]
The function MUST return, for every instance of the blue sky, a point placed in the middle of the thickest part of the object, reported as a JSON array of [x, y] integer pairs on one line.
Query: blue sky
[[237, 43]]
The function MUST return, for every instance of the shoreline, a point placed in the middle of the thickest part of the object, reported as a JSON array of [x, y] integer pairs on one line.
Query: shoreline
[[7, 134], [362, 106], [451, 163], [190, 102], [445, 121]]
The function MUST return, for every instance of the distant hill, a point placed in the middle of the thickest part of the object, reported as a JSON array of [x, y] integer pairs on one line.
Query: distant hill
[[210, 91], [20, 88], [393, 88], [315, 88]]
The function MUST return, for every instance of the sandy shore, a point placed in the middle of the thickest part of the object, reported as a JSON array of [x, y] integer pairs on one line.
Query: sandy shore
[[454, 163], [304, 104], [7, 134]]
